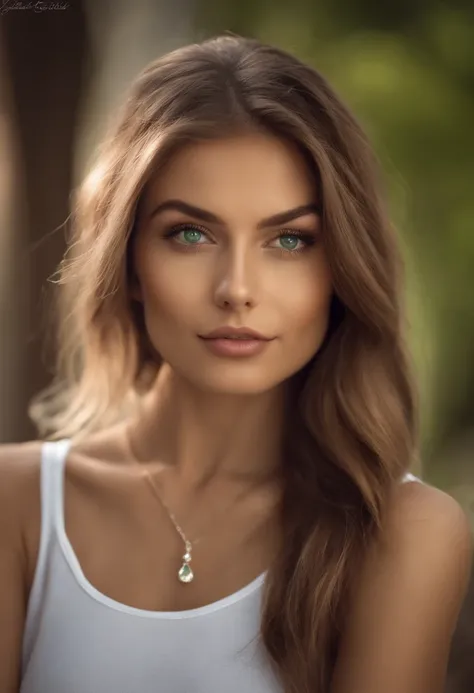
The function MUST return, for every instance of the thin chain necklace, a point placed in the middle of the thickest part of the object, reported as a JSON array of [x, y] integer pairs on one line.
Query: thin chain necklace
[[185, 573]]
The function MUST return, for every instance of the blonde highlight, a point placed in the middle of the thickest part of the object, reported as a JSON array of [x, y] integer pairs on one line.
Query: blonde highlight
[[351, 429]]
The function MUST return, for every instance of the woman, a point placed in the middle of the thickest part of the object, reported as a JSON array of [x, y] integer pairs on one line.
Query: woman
[[216, 500]]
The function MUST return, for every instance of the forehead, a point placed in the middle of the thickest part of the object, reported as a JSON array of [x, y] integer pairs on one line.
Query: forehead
[[258, 169]]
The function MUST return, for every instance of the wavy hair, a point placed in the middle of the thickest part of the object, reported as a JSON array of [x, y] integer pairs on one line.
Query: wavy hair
[[351, 429]]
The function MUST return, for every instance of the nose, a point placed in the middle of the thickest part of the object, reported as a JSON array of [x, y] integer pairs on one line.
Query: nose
[[235, 281]]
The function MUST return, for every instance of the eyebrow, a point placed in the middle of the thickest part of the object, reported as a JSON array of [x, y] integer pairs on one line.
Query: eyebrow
[[204, 215]]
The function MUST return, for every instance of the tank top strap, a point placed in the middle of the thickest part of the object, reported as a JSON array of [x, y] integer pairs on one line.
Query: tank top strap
[[52, 462], [411, 477], [53, 459]]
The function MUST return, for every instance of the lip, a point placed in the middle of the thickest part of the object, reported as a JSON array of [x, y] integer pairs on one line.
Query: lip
[[236, 348], [242, 332]]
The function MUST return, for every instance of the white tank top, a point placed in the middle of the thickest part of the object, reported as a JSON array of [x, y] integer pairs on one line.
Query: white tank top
[[78, 640]]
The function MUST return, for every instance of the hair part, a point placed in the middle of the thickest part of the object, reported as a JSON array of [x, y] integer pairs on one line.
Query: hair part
[[352, 418]]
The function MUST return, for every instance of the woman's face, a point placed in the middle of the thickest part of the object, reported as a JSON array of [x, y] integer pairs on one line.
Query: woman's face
[[226, 263]]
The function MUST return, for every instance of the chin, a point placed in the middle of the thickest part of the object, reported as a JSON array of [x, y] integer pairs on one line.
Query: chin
[[236, 380]]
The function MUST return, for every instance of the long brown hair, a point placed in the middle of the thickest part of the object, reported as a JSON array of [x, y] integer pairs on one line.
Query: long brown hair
[[352, 420]]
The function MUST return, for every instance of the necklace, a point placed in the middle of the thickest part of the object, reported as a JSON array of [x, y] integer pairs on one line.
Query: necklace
[[185, 573]]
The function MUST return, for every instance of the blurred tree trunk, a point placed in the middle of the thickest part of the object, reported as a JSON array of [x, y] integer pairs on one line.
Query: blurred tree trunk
[[14, 279], [125, 36], [66, 71], [44, 53]]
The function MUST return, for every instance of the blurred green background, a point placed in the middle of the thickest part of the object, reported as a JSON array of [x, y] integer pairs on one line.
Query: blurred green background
[[407, 71]]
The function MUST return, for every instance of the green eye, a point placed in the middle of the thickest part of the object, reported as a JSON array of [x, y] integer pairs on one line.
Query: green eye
[[192, 235], [289, 241]]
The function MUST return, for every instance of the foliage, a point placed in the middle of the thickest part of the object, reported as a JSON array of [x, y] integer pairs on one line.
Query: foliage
[[407, 71]]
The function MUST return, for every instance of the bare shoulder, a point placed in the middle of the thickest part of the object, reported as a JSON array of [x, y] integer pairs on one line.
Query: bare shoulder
[[425, 517], [19, 472], [20, 499], [19, 531], [426, 532], [407, 598]]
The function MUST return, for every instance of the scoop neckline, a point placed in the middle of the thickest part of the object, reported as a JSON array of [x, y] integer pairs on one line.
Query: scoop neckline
[[79, 575]]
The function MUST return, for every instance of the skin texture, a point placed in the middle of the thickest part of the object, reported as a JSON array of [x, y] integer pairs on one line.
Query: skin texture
[[209, 434], [407, 599], [237, 274], [199, 433]]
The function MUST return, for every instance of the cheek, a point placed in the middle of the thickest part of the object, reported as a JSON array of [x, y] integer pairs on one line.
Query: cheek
[[305, 302], [168, 291]]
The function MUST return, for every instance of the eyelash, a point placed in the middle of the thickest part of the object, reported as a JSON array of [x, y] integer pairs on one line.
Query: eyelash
[[308, 238]]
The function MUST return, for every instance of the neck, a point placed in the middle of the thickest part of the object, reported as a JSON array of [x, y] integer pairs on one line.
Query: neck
[[206, 436]]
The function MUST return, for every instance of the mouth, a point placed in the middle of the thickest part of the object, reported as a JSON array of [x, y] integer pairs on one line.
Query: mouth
[[239, 339], [236, 333], [235, 347]]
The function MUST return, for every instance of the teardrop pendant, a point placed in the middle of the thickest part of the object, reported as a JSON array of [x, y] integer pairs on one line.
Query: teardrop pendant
[[185, 573]]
